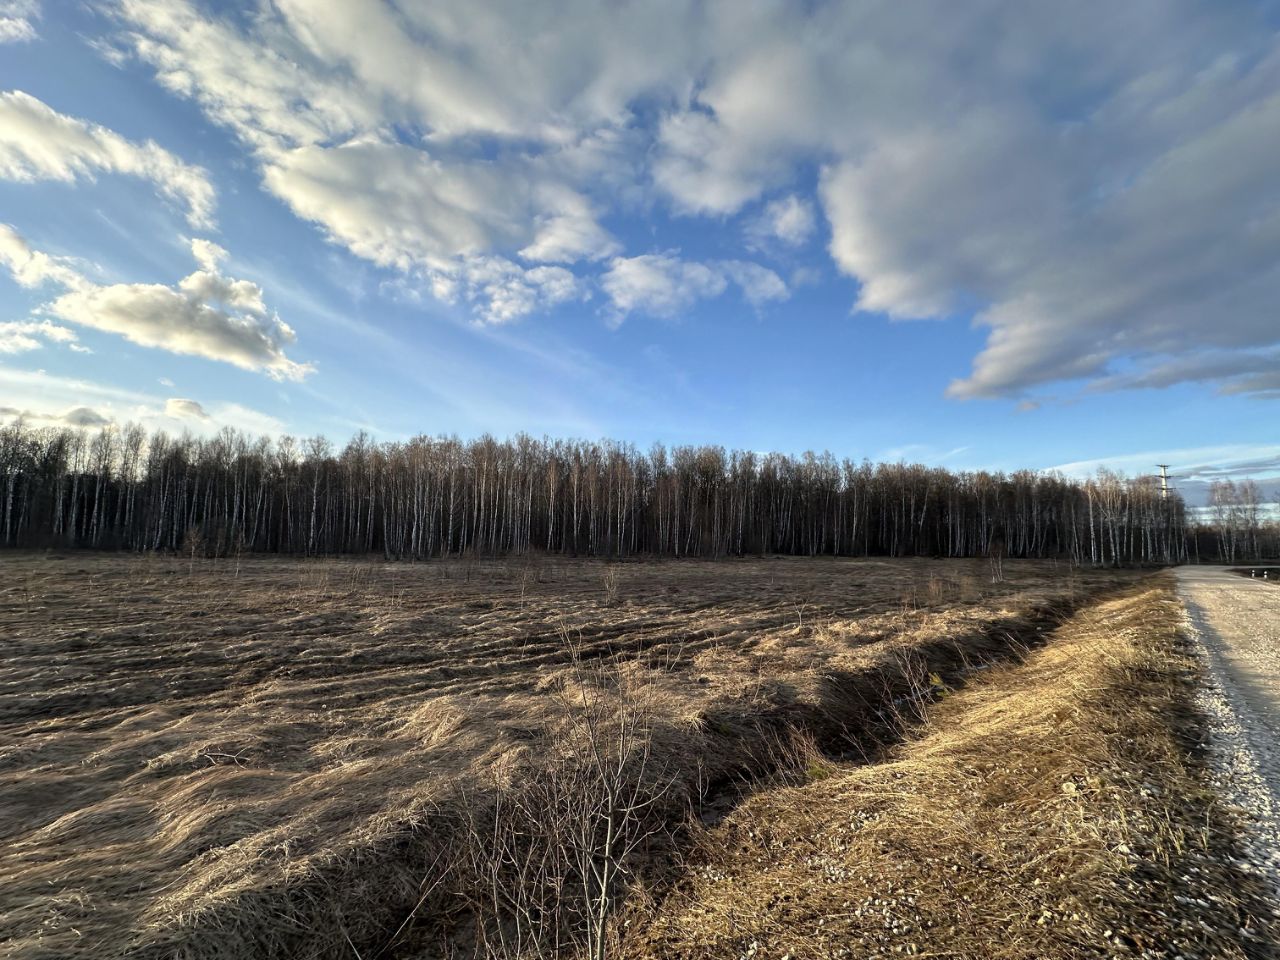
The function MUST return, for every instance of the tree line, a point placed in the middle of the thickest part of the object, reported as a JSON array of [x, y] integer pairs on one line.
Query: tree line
[[1233, 527], [122, 488]]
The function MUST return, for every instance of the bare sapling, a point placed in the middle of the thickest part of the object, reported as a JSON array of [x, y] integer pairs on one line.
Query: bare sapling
[[530, 572], [995, 558], [609, 579], [557, 851], [192, 544], [804, 600]]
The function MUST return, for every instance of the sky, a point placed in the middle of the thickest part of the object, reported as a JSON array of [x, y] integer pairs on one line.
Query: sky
[[982, 235]]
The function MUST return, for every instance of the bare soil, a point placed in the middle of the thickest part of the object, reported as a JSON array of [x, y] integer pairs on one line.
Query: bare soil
[[267, 757]]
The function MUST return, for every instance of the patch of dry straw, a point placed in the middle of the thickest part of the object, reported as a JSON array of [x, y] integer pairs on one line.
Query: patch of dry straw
[[1053, 809]]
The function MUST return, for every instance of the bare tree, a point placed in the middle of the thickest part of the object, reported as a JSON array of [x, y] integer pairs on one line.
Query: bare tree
[[433, 497]]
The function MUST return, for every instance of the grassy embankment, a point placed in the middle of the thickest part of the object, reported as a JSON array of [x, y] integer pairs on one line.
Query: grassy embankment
[[1056, 808]]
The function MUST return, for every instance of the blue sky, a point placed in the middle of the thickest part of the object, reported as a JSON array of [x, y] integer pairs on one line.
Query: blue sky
[[982, 235]]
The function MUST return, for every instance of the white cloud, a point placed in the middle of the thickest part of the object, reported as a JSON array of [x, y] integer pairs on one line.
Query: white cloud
[[16, 30], [153, 315], [38, 143], [1123, 212], [85, 418], [15, 20], [74, 417], [207, 254], [182, 409], [759, 284], [399, 207], [21, 336], [1235, 372], [206, 314], [32, 268], [1098, 203], [396, 205], [244, 418], [661, 284], [429, 206], [704, 171], [503, 291], [37, 396], [789, 220], [569, 232]]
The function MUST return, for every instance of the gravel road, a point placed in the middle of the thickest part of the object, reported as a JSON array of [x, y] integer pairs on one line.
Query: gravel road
[[1235, 622]]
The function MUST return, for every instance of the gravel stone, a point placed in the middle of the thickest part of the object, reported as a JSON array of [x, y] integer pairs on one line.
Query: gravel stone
[[1234, 625]]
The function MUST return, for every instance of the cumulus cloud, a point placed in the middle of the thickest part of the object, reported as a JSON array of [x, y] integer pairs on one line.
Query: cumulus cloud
[[659, 284], [38, 143], [789, 220], [399, 207], [207, 254], [1093, 184], [180, 321], [206, 314], [663, 285], [1123, 215], [569, 231], [501, 291], [182, 409], [365, 133]]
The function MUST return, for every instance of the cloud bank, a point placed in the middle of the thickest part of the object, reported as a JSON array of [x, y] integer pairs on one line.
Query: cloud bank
[[1093, 184], [40, 397]]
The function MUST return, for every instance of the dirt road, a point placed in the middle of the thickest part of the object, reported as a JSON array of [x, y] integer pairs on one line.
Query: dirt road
[[1236, 624]]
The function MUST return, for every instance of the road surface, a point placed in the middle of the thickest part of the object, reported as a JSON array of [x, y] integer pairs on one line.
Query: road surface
[[1236, 626]]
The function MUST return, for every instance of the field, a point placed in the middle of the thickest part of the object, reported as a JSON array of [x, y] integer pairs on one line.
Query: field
[[266, 757]]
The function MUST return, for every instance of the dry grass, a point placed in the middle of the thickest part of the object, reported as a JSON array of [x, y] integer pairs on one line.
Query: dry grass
[[1053, 809], [283, 758]]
